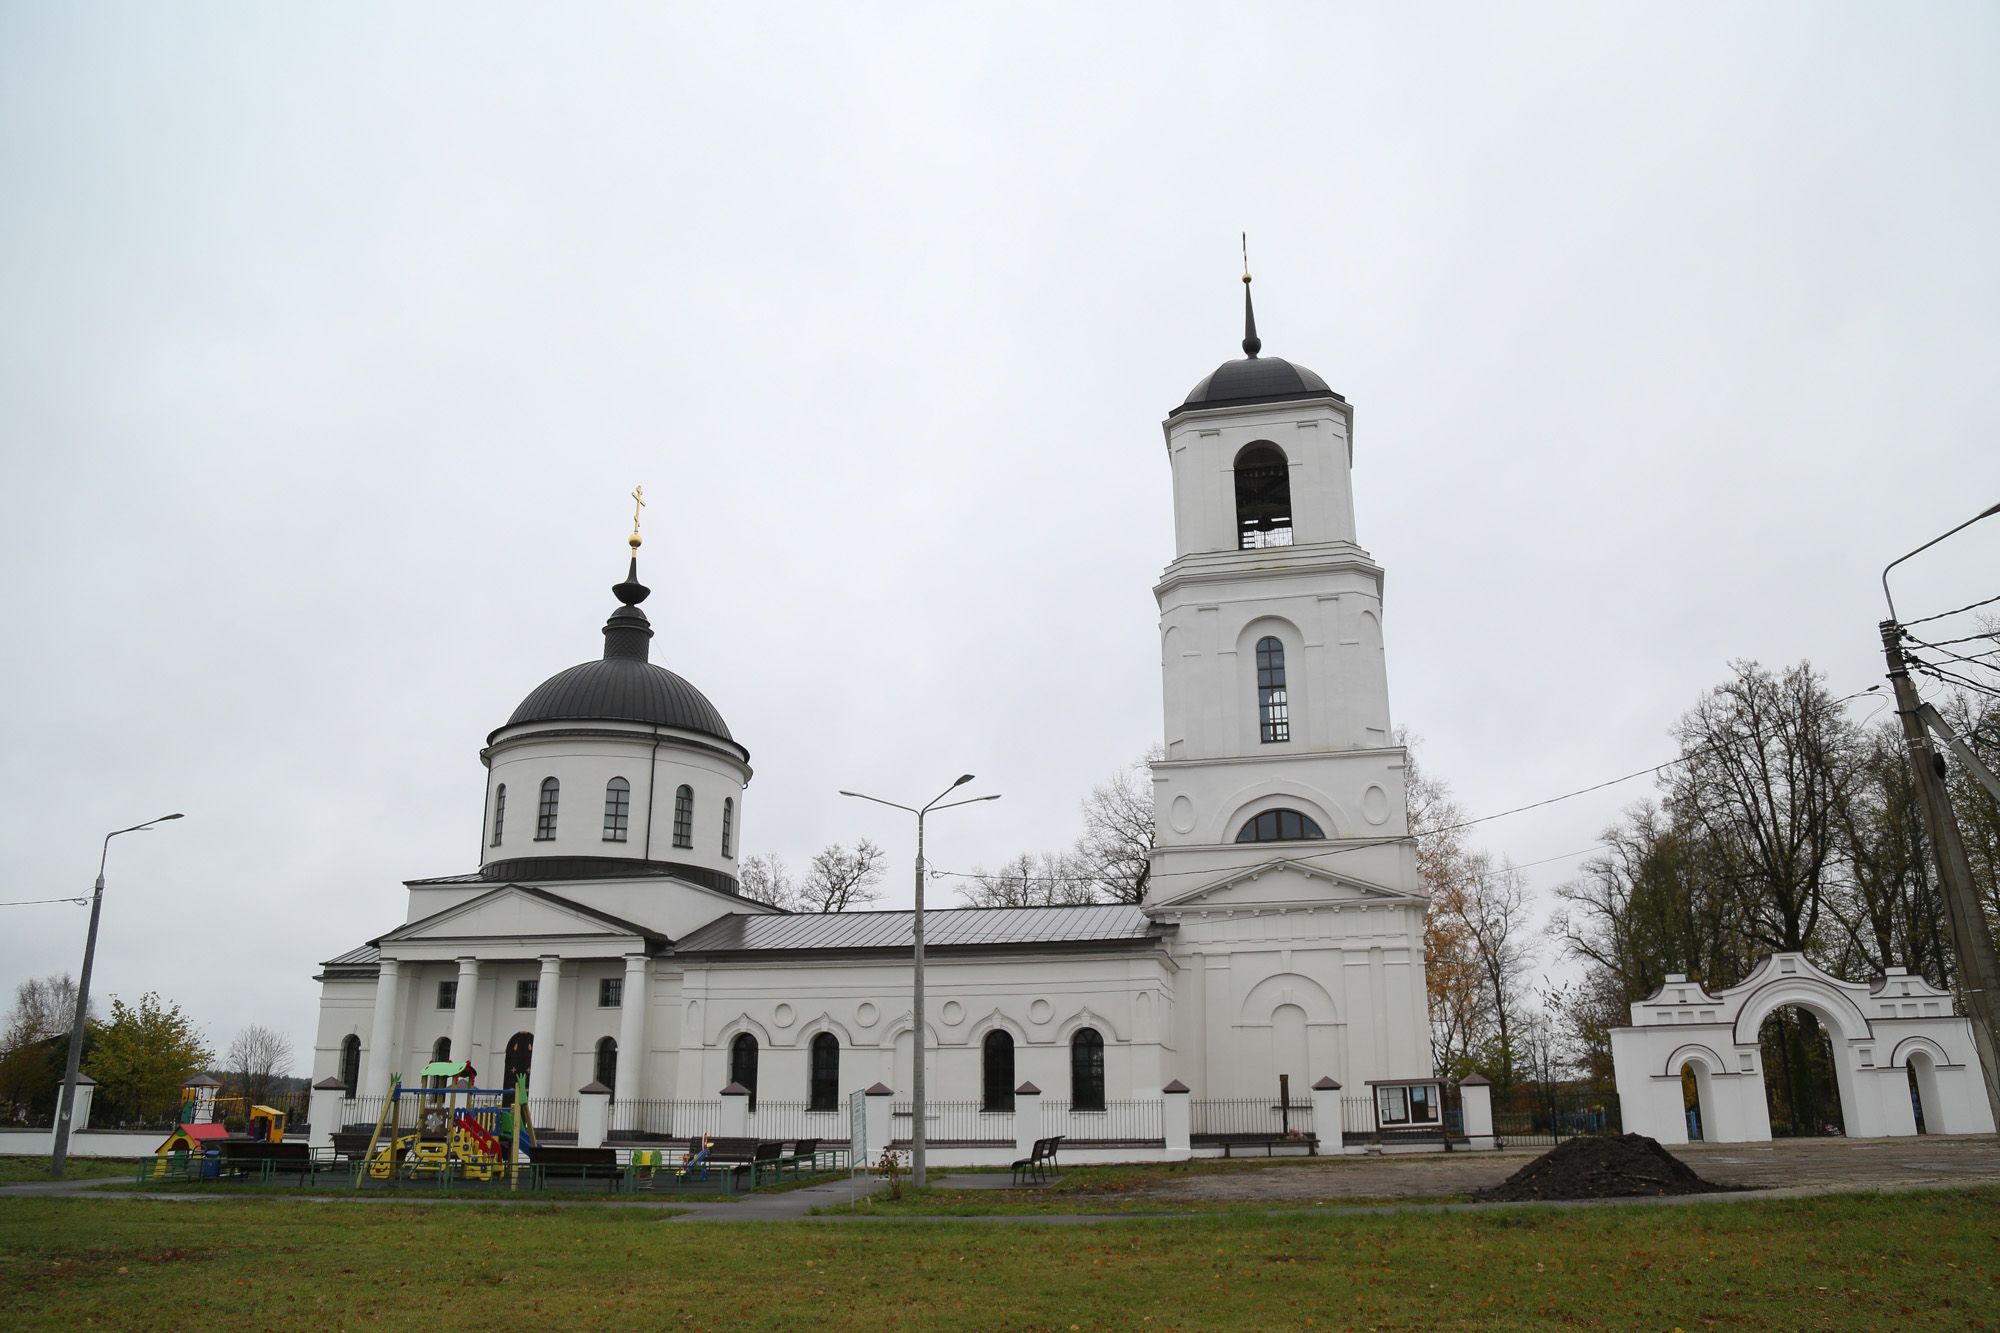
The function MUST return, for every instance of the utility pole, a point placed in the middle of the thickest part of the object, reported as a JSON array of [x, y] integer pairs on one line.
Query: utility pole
[[1972, 941]]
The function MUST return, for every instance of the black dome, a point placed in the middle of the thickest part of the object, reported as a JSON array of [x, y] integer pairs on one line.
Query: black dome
[[622, 686], [1256, 379], [621, 689]]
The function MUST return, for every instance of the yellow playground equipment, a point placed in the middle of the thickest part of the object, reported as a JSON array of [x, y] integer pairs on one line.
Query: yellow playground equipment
[[455, 1127]]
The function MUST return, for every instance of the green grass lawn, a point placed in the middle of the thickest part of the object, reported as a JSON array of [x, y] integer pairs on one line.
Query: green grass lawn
[[21, 1170], [1925, 1260]]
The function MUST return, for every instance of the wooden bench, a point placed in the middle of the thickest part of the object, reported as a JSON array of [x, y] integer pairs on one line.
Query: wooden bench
[[269, 1160], [564, 1162], [1270, 1143], [351, 1145]]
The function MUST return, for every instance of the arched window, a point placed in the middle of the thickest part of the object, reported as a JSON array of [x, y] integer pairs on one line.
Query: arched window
[[824, 1092], [545, 818], [1086, 1071], [350, 1063], [617, 809], [499, 812], [996, 1054], [684, 816], [440, 1050], [520, 1060], [728, 818], [1274, 710], [1263, 497], [1280, 826], [606, 1069], [743, 1062]]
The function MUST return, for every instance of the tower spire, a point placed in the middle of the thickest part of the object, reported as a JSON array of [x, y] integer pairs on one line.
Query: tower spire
[[626, 632], [1252, 344]]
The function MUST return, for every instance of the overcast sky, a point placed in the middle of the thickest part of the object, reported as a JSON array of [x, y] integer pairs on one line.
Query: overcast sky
[[332, 339]]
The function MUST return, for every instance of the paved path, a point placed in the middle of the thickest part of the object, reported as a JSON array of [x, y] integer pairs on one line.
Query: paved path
[[1792, 1168]]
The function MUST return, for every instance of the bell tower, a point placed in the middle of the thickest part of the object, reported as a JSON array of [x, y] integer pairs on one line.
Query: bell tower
[[1278, 744]]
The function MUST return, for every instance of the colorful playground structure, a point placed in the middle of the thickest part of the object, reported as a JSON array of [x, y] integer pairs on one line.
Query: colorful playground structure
[[455, 1127], [194, 1137]]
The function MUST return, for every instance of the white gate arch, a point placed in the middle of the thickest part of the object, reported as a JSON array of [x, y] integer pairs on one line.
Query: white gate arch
[[1875, 1029]]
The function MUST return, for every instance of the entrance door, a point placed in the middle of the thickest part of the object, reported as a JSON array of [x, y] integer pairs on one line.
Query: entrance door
[[520, 1057]]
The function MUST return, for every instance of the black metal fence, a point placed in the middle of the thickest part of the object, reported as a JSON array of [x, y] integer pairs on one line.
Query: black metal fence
[[1542, 1117], [953, 1122], [1210, 1117], [1134, 1122]]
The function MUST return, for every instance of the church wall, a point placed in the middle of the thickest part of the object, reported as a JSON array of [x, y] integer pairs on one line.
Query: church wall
[[1351, 978], [1040, 999], [584, 765]]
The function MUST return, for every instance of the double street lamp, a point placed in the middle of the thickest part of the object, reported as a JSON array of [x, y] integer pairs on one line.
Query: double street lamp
[[917, 929], [60, 1153]]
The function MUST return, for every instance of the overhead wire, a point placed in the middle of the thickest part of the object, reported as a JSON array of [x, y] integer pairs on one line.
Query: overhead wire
[[34, 902], [1969, 606]]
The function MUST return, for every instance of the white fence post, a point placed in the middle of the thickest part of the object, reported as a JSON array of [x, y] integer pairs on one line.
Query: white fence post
[[1327, 1125], [877, 1121], [1177, 1121], [735, 1113], [593, 1115], [1027, 1118], [323, 1111], [1475, 1101]]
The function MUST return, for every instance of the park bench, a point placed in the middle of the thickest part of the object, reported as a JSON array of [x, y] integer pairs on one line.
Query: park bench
[[1038, 1163], [267, 1160], [351, 1145], [564, 1162], [1270, 1143]]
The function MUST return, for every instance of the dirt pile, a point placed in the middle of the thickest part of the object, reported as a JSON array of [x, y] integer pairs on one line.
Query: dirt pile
[[1623, 1167]]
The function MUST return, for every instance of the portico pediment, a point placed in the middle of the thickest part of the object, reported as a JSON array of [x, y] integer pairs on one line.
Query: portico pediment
[[517, 919], [1286, 884]]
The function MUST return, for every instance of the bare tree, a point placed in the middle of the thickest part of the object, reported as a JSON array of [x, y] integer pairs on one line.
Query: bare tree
[[44, 1007], [1767, 766], [840, 880], [767, 880], [1494, 911], [1050, 879], [256, 1058], [1117, 842]]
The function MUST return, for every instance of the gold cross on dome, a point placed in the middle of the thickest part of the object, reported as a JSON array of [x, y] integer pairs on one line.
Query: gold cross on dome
[[638, 503]]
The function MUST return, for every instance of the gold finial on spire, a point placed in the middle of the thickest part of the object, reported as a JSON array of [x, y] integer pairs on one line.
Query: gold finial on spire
[[1246, 256], [638, 503]]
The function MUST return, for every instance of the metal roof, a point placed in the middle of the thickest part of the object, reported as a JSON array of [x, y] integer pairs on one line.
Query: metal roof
[[365, 956], [1256, 379], [959, 927]]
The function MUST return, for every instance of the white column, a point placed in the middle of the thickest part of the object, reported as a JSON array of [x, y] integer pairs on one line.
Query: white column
[[382, 1036], [465, 1004], [79, 1115], [1027, 1118], [593, 1115], [631, 1081], [1178, 1115], [1327, 1126], [1475, 1100], [543, 1069], [323, 1111]]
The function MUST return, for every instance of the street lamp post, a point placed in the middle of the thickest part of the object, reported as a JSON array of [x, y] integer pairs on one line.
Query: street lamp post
[[60, 1153], [917, 990], [1978, 967]]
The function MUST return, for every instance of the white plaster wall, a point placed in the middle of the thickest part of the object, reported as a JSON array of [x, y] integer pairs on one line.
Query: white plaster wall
[[585, 764]]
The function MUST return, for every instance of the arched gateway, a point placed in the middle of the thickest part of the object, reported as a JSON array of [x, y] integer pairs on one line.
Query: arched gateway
[[1876, 1030]]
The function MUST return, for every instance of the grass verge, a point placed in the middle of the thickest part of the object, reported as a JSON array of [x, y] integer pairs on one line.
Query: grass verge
[[25, 1170], [1852, 1261]]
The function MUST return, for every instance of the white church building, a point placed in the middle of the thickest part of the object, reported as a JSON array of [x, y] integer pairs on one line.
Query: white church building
[[603, 940]]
